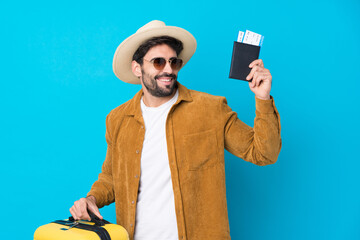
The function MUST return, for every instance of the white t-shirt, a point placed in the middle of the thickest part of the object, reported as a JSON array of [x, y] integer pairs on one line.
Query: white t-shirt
[[155, 210]]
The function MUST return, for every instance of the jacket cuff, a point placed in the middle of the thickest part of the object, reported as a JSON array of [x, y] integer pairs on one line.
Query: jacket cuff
[[265, 106], [97, 196]]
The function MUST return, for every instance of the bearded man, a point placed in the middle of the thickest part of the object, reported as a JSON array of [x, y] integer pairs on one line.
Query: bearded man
[[164, 166]]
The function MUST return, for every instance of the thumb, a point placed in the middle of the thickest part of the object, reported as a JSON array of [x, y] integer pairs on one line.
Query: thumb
[[251, 85], [94, 209]]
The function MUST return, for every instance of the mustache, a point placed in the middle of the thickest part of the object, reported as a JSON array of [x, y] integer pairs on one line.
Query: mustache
[[165, 75]]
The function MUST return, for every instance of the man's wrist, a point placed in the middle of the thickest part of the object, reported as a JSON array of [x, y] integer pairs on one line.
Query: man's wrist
[[91, 198], [263, 98]]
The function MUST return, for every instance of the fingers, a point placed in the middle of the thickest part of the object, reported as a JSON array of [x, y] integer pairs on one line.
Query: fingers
[[73, 213], [258, 62], [256, 65], [258, 77], [94, 209], [258, 73], [82, 208], [252, 72], [79, 210]]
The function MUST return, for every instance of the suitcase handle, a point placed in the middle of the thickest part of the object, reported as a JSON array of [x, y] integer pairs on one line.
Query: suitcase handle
[[98, 222]]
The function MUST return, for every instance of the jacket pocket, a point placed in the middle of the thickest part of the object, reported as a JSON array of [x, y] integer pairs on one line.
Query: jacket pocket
[[201, 150]]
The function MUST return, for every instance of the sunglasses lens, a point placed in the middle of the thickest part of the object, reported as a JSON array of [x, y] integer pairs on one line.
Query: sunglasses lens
[[176, 63], [159, 63]]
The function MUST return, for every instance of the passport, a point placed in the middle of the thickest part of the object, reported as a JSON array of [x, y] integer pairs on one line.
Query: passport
[[243, 54]]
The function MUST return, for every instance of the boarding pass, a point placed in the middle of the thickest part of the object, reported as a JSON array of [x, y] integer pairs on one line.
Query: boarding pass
[[250, 37]]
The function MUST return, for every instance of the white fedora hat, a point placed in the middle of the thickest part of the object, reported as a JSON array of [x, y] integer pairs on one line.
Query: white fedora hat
[[125, 51]]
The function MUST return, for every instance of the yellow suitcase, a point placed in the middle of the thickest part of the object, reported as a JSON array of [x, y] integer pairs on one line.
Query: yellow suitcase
[[70, 229]]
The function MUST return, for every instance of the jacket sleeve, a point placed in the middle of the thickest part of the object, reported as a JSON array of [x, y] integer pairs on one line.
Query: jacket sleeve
[[103, 188], [261, 144]]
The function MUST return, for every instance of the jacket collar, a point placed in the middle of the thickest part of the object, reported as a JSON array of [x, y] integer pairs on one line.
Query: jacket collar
[[134, 108]]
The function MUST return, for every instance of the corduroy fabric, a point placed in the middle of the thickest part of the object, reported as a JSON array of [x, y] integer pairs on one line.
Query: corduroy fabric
[[199, 127]]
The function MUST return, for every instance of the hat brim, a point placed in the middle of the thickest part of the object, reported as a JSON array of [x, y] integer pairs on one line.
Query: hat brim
[[125, 51]]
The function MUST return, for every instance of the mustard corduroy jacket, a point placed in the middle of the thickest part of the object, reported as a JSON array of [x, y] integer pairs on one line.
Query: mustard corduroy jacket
[[199, 127]]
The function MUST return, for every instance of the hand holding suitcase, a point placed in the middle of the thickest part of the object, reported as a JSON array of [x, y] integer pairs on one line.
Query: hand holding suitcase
[[81, 230]]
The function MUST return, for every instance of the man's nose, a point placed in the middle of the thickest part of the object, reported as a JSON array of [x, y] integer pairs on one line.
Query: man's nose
[[167, 67]]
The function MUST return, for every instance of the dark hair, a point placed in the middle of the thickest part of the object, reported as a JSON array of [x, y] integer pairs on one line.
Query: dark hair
[[175, 44]]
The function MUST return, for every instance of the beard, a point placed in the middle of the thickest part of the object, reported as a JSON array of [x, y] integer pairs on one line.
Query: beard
[[154, 89]]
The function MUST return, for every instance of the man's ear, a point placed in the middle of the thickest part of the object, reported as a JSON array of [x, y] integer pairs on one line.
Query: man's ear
[[136, 68]]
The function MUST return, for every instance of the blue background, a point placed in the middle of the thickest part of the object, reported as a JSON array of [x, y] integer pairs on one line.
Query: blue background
[[57, 86]]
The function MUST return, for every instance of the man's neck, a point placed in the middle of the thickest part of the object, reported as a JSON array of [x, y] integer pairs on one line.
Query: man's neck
[[152, 101]]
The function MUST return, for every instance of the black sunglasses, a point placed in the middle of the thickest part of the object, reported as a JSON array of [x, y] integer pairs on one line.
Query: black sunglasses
[[159, 63]]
